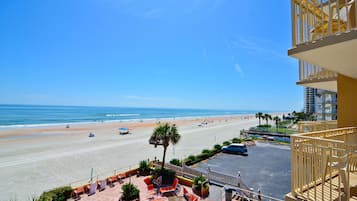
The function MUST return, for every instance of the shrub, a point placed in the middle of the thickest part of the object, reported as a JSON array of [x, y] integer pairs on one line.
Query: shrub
[[203, 156], [226, 143], [144, 168], [264, 126], [130, 192], [167, 175], [57, 194], [192, 157], [206, 151], [176, 162], [236, 140], [217, 147]]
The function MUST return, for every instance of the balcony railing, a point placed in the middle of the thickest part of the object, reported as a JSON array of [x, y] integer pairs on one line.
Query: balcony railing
[[312, 73], [321, 163], [311, 126], [315, 19]]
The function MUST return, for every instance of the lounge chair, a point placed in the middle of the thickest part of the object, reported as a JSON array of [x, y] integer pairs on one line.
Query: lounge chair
[[92, 188], [102, 185], [121, 177], [189, 196], [111, 180], [78, 191], [169, 189]]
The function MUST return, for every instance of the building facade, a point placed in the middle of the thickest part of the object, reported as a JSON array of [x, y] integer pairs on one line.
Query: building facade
[[325, 105], [324, 40]]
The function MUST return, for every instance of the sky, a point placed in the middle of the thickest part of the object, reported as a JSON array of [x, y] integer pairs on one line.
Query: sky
[[208, 54]]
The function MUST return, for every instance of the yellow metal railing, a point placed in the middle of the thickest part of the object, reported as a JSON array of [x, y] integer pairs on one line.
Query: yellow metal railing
[[319, 159], [315, 19], [313, 73], [311, 126]]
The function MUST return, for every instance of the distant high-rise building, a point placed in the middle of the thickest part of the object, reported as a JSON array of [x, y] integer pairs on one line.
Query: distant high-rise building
[[309, 100], [325, 105], [320, 102]]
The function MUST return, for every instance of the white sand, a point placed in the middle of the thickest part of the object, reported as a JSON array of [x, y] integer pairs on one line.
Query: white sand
[[36, 159]]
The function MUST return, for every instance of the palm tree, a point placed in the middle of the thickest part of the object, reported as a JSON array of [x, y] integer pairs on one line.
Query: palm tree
[[277, 121], [163, 135], [259, 115], [267, 117]]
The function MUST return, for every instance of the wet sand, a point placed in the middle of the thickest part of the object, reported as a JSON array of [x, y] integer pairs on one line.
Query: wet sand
[[40, 158]]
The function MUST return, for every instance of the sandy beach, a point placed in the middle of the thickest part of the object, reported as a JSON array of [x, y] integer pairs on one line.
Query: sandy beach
[[35, 159]]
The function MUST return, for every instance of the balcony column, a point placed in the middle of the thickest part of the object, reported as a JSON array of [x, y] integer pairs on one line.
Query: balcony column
[[347, 101]]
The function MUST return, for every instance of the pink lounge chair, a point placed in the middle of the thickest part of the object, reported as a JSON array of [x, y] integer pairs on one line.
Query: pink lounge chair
[[169, 189]]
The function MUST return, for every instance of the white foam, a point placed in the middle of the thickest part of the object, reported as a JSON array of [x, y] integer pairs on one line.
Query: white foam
[[121, 115]]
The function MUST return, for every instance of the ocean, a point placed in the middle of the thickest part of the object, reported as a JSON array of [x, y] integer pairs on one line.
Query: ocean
[[41, 115]]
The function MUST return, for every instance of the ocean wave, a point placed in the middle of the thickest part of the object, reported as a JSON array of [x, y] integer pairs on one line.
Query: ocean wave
[[121, 115]]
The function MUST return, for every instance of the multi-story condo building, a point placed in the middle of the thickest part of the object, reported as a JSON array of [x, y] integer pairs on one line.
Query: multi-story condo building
[[309, 100], [325, 105], [324, 40]]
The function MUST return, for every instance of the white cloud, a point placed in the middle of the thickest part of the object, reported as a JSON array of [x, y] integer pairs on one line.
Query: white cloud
[[267, 49], [238, 69]]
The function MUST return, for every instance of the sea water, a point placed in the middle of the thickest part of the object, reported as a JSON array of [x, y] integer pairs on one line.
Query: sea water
[[41, 115]]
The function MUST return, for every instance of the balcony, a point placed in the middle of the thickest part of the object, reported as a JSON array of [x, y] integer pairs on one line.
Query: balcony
[[324, 33], [316, 77], [324, 165], [311, 126]]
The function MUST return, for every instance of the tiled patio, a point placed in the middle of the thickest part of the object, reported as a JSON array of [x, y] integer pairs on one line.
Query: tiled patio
[[114, 193]]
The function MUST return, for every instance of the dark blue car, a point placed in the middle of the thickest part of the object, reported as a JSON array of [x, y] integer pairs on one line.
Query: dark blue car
[[236, 149]]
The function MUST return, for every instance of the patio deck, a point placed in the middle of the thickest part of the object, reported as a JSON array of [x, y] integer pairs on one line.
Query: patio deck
[[114, 193]]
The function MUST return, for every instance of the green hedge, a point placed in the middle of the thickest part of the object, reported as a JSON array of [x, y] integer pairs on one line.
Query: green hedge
[[217, 147], [226, 143], [206, 153], [57, 194], [176, 162]]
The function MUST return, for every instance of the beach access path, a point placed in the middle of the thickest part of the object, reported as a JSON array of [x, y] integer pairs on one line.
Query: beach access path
[[36, 159]]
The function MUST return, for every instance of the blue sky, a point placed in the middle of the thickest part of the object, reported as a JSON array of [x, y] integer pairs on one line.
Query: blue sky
[[219, 54]]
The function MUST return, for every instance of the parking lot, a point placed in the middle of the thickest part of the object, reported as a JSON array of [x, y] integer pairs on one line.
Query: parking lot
[[267, 167]]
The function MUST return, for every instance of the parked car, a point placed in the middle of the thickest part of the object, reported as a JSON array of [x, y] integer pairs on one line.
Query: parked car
[[236, 148], [123, 131]]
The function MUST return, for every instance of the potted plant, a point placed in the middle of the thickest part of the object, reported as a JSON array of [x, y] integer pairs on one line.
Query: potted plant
[[130, 192], [144, 168], [200, 186]]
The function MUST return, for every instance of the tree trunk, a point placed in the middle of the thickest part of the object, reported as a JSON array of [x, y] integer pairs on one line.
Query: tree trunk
[[163, 158], [259, 121]]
